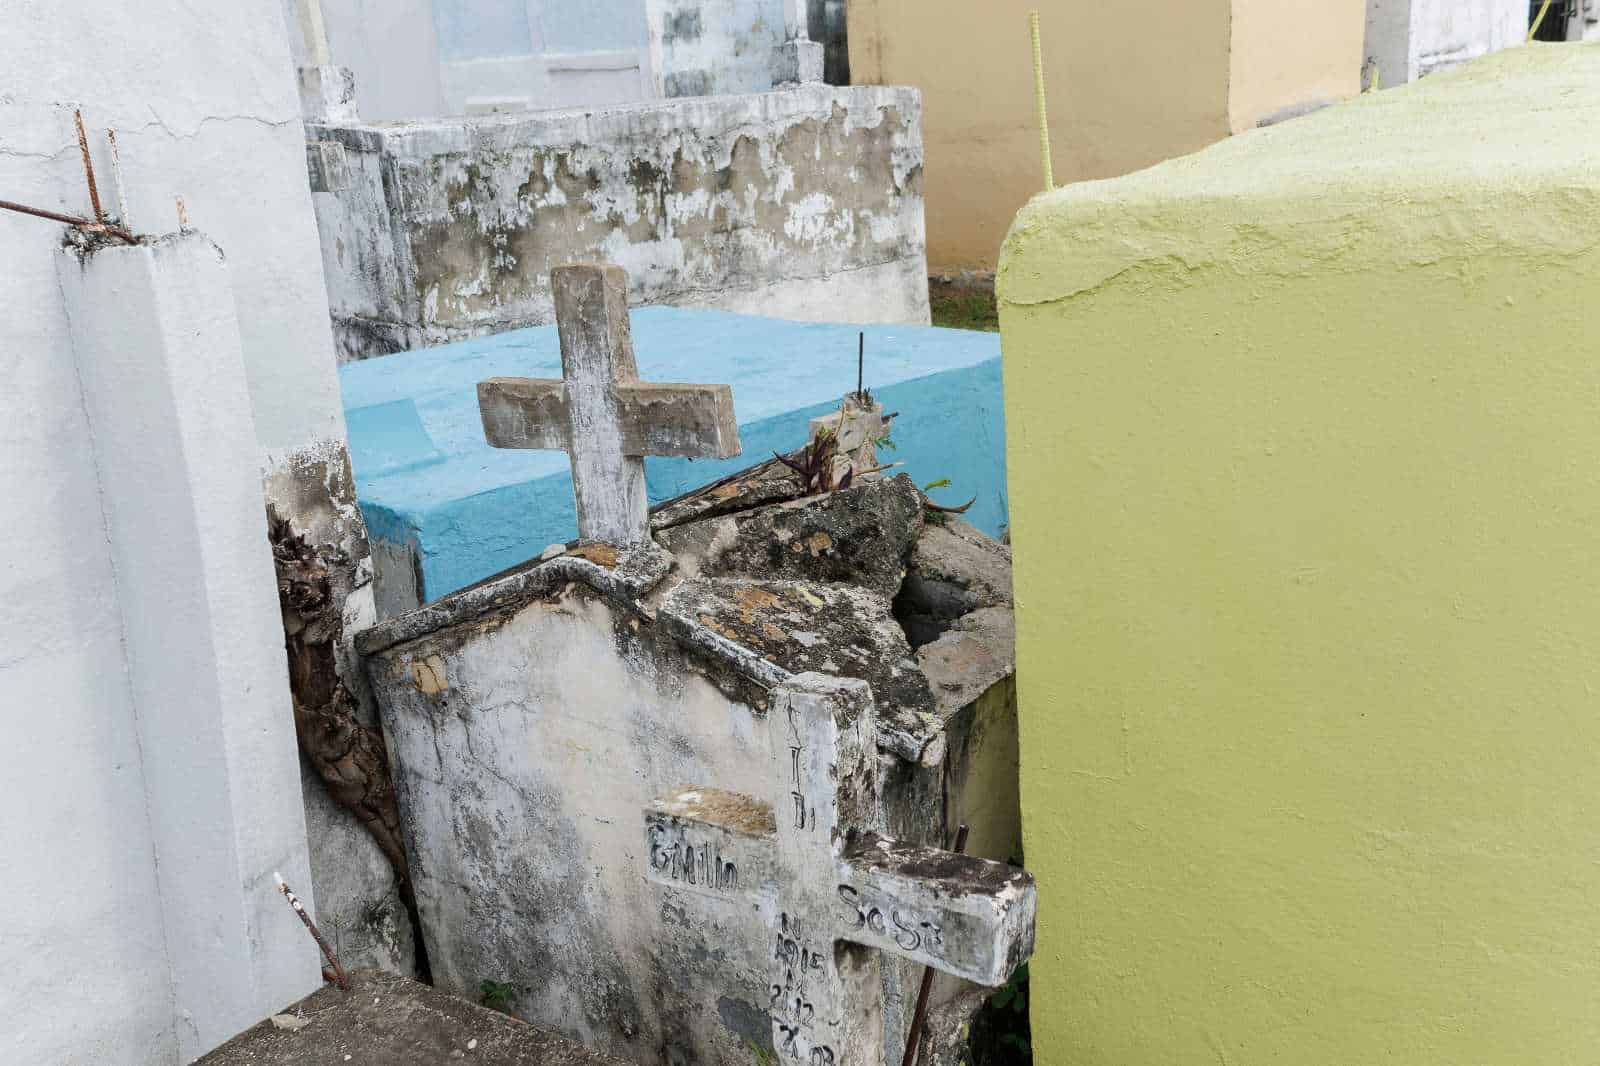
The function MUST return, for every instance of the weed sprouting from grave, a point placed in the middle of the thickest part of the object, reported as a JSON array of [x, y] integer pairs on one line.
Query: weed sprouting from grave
[[497, 995], [815, 462]]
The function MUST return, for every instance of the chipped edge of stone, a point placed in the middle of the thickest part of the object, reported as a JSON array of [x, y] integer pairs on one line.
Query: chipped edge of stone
[[638, 570], [689, 631]]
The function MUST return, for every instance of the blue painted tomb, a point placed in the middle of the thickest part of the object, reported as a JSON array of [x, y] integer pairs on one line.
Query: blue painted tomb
[[434, 493]]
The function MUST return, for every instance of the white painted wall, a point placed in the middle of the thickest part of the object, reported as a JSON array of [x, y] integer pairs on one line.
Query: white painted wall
[[541, 54], [710, 47], [1409, 39], [417, 59], [156, 344], [392, 48], [204, 103], [222, 130], [83, 957]]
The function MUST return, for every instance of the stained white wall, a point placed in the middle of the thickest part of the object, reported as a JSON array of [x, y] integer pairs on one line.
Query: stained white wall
[[1409, 39], [202, 98], [711, 47]]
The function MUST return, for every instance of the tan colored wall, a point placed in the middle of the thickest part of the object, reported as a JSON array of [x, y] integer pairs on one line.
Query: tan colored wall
[[1127, 88], [1290, 54]]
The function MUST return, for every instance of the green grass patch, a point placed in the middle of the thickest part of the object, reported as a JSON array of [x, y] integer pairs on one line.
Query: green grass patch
[[964, 309]]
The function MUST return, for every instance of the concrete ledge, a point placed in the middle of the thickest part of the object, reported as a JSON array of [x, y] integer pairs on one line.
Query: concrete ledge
[[397, 1022]]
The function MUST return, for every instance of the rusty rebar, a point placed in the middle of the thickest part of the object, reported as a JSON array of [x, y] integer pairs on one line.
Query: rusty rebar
[[921, 1013], [88, 225], [88, 169], [116, 178], [340, 978]]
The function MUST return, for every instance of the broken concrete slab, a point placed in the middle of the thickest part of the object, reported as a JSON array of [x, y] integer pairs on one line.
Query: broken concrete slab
[[833, 629], [860, 535], [954, 570], [978, 651], [536, 706], [387, 1020], [742, 490]]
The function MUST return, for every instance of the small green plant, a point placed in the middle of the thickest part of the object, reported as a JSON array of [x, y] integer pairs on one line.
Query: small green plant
[[497, 995], [936, 512], [763, 1056], [1001, 1034], [1013, 1000], [815, 462]]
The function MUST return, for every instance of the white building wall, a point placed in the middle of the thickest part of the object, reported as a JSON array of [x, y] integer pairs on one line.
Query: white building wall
[[392, 48], [418, 59], [205, 108], [712, 47], [82, 956], [1410, 39], [156, 344]]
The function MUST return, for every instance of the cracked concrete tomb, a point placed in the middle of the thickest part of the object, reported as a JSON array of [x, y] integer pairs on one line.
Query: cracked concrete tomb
[[804, 203], [686, 798]]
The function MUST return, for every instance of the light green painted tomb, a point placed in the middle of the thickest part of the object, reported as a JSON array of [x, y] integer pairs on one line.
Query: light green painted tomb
[[1305, 484]]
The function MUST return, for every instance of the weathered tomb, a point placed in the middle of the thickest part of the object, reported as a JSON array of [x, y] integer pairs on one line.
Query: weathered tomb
[[534, 716], [834, 895], [804, 203]]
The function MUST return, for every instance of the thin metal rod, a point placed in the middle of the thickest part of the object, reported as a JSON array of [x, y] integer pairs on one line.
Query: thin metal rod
[[116, 178], [861, 361], [921, 1013], [1538, 21], [1039, 102], [340, 978], [88, 169], [88, 224]]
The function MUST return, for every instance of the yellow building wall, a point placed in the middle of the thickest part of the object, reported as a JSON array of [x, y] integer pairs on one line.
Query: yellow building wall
[[1292, 54], [1128, 86], [1304, 471]]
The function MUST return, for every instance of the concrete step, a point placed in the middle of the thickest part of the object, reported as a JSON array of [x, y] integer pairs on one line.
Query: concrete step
[[387, 1020]]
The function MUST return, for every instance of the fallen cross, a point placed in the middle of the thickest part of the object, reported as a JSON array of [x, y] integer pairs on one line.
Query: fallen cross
[[835, 893]]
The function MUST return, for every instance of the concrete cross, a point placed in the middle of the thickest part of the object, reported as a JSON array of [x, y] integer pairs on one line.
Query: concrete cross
[[601, 413], [835, 893]]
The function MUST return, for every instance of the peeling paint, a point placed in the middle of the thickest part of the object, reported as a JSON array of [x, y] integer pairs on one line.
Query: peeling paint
[[456, 225]]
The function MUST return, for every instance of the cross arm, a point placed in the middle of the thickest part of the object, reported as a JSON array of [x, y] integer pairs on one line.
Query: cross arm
[[523, 413], [957, 913], [693, 421]]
